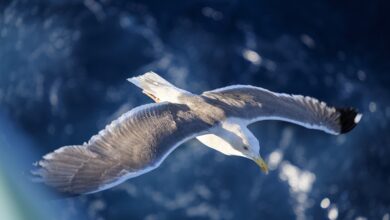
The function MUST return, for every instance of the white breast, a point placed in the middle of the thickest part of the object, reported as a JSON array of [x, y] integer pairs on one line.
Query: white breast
[[218, 144]]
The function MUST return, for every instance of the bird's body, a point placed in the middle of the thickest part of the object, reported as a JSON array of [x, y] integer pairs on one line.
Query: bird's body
[[141, 139]]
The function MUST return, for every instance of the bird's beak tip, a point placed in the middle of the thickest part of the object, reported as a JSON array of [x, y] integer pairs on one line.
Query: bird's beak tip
[[262, 164]]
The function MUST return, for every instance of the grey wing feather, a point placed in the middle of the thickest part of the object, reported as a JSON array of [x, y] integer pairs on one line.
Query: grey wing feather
[[133, 144], [254, 104]]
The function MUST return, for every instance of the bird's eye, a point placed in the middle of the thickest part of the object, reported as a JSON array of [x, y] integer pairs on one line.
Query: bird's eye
[[245, 148]]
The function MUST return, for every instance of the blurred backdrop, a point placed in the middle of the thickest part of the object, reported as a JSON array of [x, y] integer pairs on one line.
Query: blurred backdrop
[[63, 70]]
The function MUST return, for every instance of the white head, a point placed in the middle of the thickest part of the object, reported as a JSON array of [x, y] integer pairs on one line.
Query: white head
[[235, 140]]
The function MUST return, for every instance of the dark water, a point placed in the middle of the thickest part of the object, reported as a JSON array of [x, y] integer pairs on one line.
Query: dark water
[[63, 70]]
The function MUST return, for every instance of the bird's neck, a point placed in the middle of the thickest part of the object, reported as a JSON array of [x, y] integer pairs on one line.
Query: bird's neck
[[224, 138]]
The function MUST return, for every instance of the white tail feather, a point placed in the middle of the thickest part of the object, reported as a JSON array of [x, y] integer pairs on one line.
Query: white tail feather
[[157, 87]]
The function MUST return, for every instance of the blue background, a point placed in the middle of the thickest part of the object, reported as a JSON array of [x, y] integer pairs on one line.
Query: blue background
[[63, 70]]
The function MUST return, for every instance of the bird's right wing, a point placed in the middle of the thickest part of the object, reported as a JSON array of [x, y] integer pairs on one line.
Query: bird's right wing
[[252, 104], [133, 144]]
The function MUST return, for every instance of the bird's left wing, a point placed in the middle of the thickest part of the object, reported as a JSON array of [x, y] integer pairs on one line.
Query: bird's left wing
[[133, 144], [253, 104]]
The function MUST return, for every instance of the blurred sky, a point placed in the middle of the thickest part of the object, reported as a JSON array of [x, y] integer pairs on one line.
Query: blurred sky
[[63, 70]]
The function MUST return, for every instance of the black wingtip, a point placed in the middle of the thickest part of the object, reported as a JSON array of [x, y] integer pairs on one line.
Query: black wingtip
[[349, 117]]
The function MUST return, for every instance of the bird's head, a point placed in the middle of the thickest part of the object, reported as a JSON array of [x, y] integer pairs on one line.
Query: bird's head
[[249, 147], [236, 140]]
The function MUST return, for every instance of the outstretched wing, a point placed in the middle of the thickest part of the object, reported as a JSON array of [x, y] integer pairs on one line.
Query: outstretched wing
[[254, 104], [135, 143]]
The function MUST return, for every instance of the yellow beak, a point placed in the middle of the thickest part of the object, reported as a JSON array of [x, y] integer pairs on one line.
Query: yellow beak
[[263, 166]]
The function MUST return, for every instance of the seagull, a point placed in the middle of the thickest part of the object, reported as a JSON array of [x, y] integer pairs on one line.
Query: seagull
[[140, 140]]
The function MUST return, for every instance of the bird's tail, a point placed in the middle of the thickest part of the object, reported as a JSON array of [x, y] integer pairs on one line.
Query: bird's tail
[[157, 87]]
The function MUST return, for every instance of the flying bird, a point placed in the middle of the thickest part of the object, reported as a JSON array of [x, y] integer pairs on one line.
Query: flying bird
[[140, 140]]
